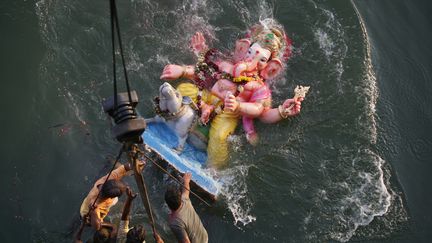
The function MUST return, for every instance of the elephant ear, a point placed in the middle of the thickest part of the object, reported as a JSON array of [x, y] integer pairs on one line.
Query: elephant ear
[[242, 47], [273, 68]]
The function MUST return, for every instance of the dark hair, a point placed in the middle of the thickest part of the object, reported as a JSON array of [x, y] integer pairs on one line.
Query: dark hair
[[173, 197], [112, 188], [101, 236], [136, 235]]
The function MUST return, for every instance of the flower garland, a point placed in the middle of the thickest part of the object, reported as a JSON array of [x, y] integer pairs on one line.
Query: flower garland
[[206, 70]]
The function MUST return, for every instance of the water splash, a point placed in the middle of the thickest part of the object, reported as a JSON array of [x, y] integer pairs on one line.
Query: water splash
[[366, 200], [234, 190], [331, 39], [352, 197], [371, 81], [325, 43]]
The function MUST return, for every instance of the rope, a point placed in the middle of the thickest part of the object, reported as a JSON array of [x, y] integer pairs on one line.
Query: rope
[[113, 53], [175, 179], [115, 27]]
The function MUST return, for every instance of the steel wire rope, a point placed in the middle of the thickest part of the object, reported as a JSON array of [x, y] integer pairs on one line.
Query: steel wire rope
[[115, 28]]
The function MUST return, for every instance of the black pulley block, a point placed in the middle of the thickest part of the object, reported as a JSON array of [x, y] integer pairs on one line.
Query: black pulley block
[[128, 124]]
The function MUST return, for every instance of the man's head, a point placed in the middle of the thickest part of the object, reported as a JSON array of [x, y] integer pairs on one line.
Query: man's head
[[112, 188], [136, 235], [101, 236], [173, 197]]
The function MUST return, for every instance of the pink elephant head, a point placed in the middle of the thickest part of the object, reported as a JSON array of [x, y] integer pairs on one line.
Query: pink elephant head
[[265, 49]]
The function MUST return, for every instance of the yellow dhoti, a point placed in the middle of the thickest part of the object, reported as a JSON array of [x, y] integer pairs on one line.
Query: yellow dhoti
[[223, 125]]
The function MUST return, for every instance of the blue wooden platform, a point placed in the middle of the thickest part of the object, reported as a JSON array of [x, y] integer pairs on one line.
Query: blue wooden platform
[[161, 139]]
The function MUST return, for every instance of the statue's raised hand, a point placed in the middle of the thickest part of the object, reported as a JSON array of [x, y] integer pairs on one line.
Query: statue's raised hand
[[198, 43], [241, 48]]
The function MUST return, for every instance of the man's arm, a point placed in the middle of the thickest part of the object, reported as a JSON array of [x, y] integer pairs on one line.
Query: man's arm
[[77, 238], [124, 223], [113, 229], [121, 171], [126, 208], [185, 240], [159, 239], [180, 234], [97, 223], [118, 173], [94, 219], [186, 181]]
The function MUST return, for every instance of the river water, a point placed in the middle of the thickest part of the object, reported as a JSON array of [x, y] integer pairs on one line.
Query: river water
[[352, 167]]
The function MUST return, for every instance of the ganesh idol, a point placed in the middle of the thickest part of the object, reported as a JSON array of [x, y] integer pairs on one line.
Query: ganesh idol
[[227, 89]]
